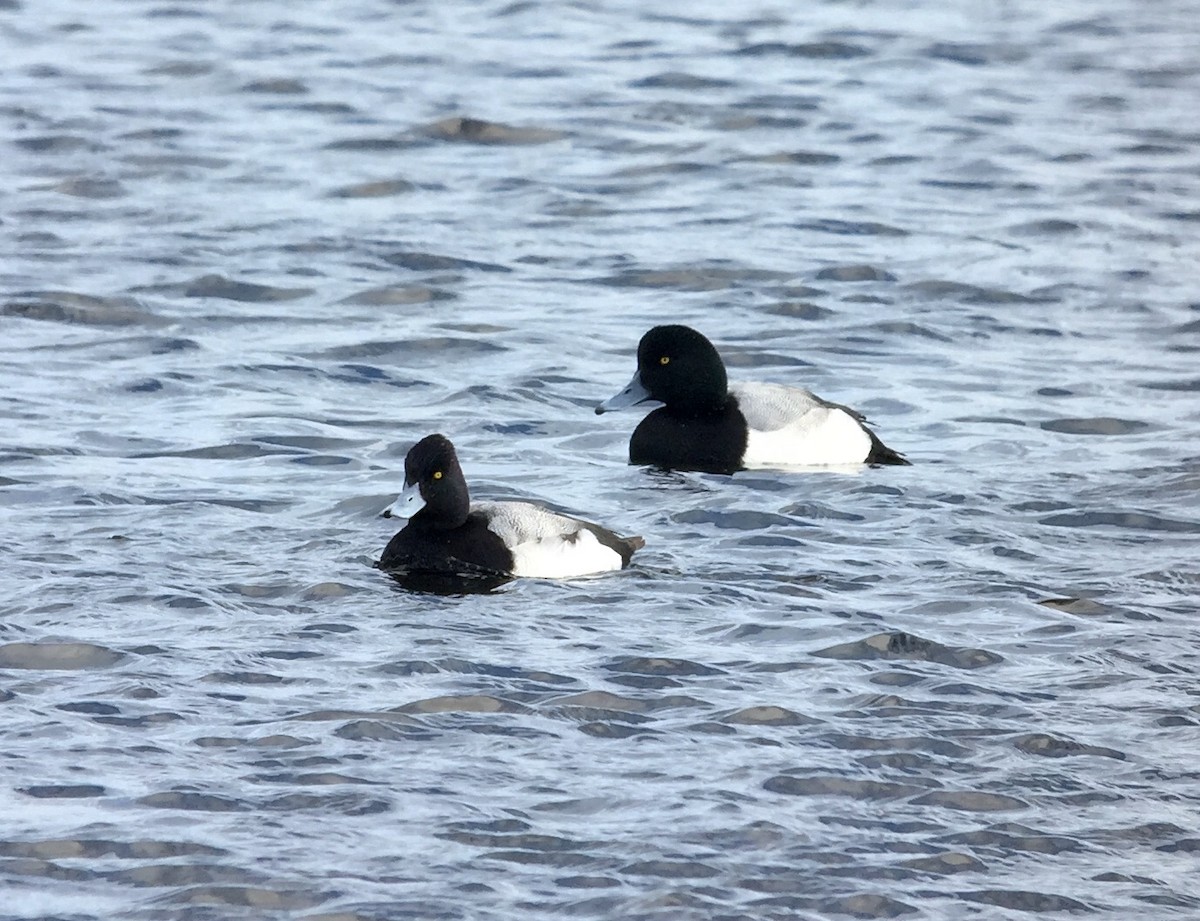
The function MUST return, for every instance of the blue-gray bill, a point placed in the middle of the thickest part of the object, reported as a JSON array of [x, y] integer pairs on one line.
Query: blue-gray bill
[[407, 504], [632, 395]]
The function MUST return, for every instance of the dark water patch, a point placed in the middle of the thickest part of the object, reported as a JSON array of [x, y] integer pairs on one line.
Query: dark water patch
[[1082, 607], [277, 86], [94, 848], [945, 864], [409, 667], [58, 656], [676, 168], [90, 187], [798, 158], [741, 120], [767, 716], [432, 262], [324, 460], [346, 804], [358, 374], [187, 801], [249, 678], [854, 273], [174, 163], [625, 727], [145, 721], [45, 869], [311, 442], [798, 310], [84, 309], [218, 286], [1184, 386], [975, 54], [736, 357], [825, 50], [695, 278], [55, 144], [671, 869], [661, 666], [823, 785], [93, 707], [970, 801], [63, 791], [852, 228], [373, 144], [376, 730], [509, 835], [508, 672], [1021, 900], [230, 451], [679, 80], [903, 328], [941, 747], [1036, 743], [738, 520], [398, 295], [463, 703], [622, 707], [444, 348], [587, 882], [258, 898], [479, 131], [1101, 425], [1050, 227], [967, 294], [378, 188], [908, 646], [1126, 521], [174, 875]]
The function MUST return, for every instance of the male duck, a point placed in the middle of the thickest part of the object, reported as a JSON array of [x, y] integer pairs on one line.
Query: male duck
[[707, 424], [448, 535]]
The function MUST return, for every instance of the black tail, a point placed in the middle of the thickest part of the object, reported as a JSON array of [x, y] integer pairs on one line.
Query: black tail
[[882, 454]]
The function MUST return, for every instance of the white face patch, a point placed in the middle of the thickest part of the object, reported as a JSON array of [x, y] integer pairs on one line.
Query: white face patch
[[407, 504]]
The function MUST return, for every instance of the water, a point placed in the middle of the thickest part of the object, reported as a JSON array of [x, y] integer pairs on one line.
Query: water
[[252, 252]]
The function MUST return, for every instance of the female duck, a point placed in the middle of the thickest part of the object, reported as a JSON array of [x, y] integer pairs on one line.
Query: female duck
[[449, 535], [707, 424]]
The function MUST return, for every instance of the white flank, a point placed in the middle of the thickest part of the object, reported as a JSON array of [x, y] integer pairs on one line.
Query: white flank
[[790, 427], [546, 545]]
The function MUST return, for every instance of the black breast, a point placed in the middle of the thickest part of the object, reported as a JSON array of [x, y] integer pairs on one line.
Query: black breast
[[713, 443], [469, 550]]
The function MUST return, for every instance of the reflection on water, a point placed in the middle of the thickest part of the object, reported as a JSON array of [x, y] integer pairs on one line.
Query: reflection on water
[[253, 253]]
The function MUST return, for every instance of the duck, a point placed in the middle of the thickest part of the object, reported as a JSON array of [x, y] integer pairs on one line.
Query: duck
[[449, 535], [707, 424]]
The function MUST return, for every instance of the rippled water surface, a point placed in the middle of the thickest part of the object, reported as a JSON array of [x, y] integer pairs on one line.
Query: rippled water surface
[[252, 252]]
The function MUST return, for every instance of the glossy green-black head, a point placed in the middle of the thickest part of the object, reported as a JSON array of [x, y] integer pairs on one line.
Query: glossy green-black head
[[679, 367], [434, 485]]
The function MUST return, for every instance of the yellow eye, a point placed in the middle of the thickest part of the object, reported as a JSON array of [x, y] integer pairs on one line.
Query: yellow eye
[[665, 360], [437, 474]]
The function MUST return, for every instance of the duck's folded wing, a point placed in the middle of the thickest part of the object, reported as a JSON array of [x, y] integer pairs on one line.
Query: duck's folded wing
[[789, 426], [770, 407], [547, 545]]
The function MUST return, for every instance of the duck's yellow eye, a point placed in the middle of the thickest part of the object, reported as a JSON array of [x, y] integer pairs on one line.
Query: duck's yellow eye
[[665, 360], [437, 474]]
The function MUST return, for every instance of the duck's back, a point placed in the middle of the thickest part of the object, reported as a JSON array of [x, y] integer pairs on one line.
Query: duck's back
[[789, 426], [547, 545]]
